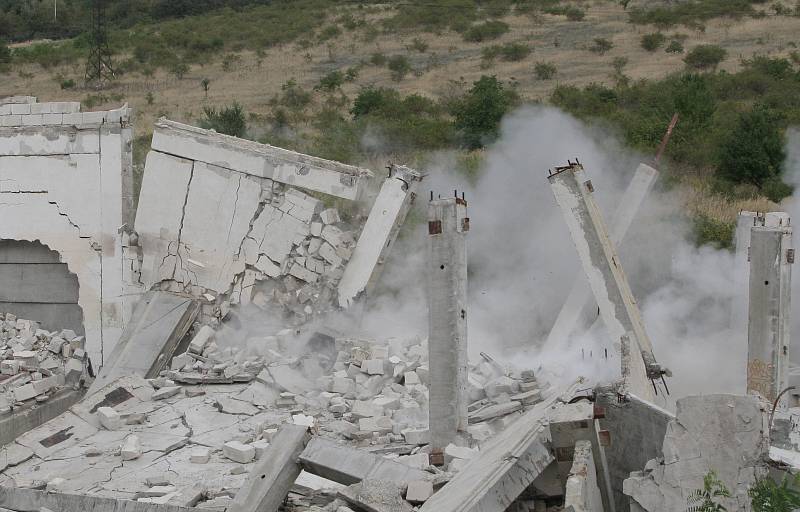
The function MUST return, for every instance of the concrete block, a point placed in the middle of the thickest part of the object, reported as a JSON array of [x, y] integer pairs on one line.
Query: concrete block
[[501, 385], [200, 455], [9, 367], [25, 392], [419, 491], [372, 366], [166, 392], [452, 451], [109, 418], [380, 424], [73, 370], [411, 379], [131, 448], [238, 452], [330, 216], [417, 436], [260, 447], [201, 339]]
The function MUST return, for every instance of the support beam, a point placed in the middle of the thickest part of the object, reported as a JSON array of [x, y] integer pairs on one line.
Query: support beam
[[572, 317], [347, 465], [30, 500], [505, 466], [274, 473], [388, 213], [447, 319], [618, 309], [768, 336]]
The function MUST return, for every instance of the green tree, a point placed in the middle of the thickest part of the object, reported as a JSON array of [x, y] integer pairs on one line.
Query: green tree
[[478, 114], [228, 120], [705, 56], [5, 53], [705, 499], [753, 150], [399, 66], [767, 496]]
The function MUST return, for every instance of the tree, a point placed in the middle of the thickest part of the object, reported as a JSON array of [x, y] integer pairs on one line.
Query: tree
[[229, 120], [399, 66], [478, 114], [205, 83], [705, 56], [705, 499], [753, 150]]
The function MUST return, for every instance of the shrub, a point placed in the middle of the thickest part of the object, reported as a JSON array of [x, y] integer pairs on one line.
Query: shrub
[[654, 41], [377, 59], [601, 45], [752, 151], [485, 31], [329, 32], [570, 11], [331, 81], [705, 56], [478, 114], [511, 52], [5, 53], [68, 83], [293, 96], [419, 45], [767, 496], [150, 98], [179, 69], [706, 499], [544, 70], [714, 232], [674, 46], [399, 66], [691, 13], [228, 120], [351, 74]]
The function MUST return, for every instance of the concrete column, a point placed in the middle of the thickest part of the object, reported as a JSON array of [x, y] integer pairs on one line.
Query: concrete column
[[768, 337], [618, 309], [447, 318], [573, 315], [380, 231]]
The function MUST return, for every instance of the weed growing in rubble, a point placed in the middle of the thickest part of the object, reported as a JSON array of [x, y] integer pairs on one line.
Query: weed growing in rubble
[[706, 499], [767, 496], [228, 120]]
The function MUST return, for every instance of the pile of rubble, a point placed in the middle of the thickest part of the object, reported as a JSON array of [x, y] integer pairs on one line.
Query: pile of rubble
[[35, 363]]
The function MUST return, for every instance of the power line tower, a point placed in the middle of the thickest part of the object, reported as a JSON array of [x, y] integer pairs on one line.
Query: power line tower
[[99, 68]]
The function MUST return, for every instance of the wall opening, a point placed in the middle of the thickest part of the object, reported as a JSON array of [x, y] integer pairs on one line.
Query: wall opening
[[36, 285]]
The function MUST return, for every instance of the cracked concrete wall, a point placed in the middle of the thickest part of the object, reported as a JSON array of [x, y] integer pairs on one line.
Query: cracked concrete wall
[[65, 182], [220, 217], [728, 434]]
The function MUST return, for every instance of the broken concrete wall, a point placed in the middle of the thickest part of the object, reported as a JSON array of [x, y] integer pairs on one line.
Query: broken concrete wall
[[582, 492], [65, 182], [219, 214], [724, 433], [636, 430]]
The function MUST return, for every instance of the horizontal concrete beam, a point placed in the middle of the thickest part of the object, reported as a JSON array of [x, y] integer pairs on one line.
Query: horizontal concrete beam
[[31, 415], [347, 466], [256, 159], [30, 500]]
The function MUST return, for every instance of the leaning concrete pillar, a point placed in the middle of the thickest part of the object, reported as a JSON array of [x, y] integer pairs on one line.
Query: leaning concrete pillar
[[380, 231], [618, 309], [572, 317], [771, 258], [447, 318]]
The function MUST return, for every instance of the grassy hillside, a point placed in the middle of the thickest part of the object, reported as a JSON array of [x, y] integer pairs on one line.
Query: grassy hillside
[[367, 81]]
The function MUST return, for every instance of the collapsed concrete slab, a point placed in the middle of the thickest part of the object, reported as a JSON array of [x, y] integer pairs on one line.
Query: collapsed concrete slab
[[66, 183], [699, 440], [582, 493]]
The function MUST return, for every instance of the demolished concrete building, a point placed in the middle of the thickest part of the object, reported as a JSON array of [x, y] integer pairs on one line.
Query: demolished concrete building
[[141, 400]]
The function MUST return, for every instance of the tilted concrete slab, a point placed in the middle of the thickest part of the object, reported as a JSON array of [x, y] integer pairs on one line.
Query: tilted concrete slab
[[32, 414], [505, 466], [30, 500], [274, 473], [159, 323], [582, 491], [388, 213], [259, 160], [347, 465]]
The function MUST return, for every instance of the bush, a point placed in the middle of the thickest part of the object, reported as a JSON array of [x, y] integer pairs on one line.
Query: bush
[[511, 52], [544, 70], [377, 59], [767, 496], [329, 32], [419, 45], [330, 82], [705, 56], [485, 31], [654, 41], [5, 53], [399, 66], [179, 69], [478, 114], [68, 83], [601, 45], [229, 120], [570, 11], [753, 150], [714, 232], [691, 13], [293, 96], [674, 46]]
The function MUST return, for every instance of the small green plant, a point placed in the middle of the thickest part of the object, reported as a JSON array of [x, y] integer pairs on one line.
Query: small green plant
[[601, 46], [485, 31], [179, 69], [767, 496], [654, 41], [399, 66], [705, 56], [67, 83], [511, 52], [5, 53], [378, 59], [707, 498], [418, 45], [351, 74], [205, 83], [150, 98], [329, 32], [544, 70], [331, 81], [229, 120], [293, 96], [674, 46], [570, 11]]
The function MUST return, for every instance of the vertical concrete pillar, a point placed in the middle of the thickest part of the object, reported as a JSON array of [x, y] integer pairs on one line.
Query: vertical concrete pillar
[[618, 309], [573, 315], [768, 337], [447, 318]]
